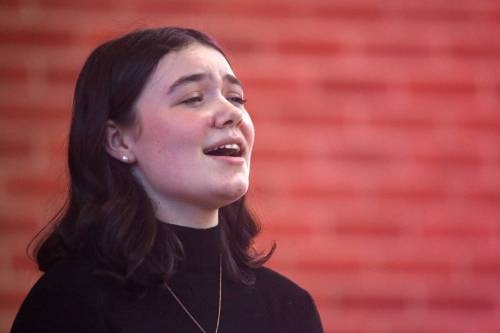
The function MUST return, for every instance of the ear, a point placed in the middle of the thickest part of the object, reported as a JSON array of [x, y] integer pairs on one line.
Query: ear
[[119, 142]]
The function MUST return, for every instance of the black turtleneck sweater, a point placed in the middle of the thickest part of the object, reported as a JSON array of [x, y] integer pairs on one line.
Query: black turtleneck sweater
[[69, 298]]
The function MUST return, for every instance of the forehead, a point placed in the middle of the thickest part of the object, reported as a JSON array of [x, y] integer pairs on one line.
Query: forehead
[[195, 58]]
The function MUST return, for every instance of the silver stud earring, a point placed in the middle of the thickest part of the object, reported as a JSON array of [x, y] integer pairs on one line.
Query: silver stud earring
[[125, 158]]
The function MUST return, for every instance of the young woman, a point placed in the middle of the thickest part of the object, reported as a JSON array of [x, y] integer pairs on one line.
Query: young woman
[[155, 235]]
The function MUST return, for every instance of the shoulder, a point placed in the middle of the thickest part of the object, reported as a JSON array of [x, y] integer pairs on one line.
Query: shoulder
[[72, 279], [65, 298], [288, 302], [270, 280]]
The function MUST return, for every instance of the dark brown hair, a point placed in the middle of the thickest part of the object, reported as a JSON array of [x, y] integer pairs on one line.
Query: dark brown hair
[[107, 213]]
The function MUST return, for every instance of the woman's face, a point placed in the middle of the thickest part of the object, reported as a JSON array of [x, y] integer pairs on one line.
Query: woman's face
[[192, 105]]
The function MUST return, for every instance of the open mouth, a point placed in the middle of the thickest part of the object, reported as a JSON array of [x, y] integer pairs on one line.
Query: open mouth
[[231, 149]]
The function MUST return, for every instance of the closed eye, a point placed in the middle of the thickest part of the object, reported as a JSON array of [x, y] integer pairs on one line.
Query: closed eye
[[192, 100], [237, 100]]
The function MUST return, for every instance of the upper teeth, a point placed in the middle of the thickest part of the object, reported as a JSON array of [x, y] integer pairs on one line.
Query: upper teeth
[[228, 146]]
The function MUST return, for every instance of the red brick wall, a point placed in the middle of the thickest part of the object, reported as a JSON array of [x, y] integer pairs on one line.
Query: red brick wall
[[377, 161]]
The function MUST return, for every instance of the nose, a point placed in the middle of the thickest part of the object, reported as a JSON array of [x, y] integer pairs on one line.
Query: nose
[[228, 115]]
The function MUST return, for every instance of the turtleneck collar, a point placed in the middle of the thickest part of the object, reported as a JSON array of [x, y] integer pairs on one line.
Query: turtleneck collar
[[202, 247]]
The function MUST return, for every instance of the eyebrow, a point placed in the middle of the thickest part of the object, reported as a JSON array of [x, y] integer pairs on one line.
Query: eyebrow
[[232, 79], [199, 77]]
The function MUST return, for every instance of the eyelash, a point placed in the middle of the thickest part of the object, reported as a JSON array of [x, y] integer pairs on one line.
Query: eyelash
[[197, 99], [238, 100], [192, 100]]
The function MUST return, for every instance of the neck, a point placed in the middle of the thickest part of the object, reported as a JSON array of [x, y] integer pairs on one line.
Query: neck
[[177, 211]]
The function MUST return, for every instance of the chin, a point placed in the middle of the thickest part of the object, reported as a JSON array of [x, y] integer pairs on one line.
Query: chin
[[231, 193]]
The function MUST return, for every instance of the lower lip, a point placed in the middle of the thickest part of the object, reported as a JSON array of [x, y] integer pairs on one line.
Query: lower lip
[[229, 159]]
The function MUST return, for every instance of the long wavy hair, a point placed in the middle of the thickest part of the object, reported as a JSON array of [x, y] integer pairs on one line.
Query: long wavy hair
[[107, 213]]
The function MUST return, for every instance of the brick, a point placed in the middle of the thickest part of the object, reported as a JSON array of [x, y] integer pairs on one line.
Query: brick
[[171, 7], [413, 194], [332, 266], [398, 50], [354, 85], [374, 302], [258, 9], [384, 248], [418, 329], [441, 15], [474, 51], [39, 37], [416, 267], [14, 73], [424, 113], [328, 85], [10, 300], [461, 303], [443, 88], [368, 229], [495, 15], [457, 230], [58, 151], [368, 279], [431, 11], [396, 71], [95, 37], [338, 11], [22, 263], [6, 319], [33, 186], [62, 76], [80, 4], [11, 3], [15, 149], [492, 196], [349, 12], [35, 112], [17, 223], [237, 45], [305, 47], [486, 267], [289, 230]]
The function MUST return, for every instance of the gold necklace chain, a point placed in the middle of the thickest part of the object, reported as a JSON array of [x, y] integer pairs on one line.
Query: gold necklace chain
[[189, 313]]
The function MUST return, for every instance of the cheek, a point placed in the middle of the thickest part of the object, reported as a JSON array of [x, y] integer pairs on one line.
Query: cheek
[[157, 139], [172, 137], [248, 130]]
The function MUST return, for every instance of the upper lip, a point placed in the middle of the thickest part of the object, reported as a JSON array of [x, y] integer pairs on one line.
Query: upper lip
[[225, 141]]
